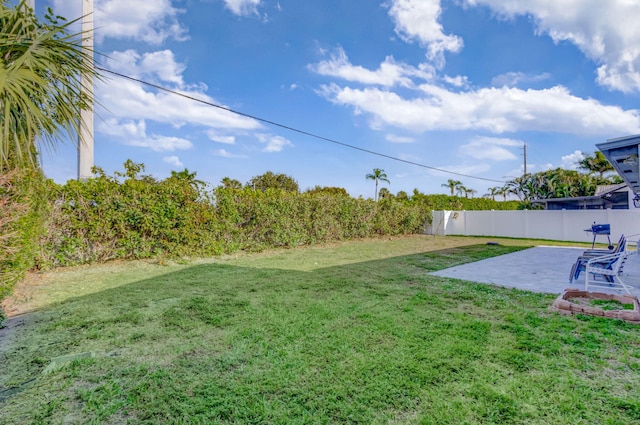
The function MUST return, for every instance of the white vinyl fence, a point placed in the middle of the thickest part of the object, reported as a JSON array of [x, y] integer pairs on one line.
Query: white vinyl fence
[[564, 225]]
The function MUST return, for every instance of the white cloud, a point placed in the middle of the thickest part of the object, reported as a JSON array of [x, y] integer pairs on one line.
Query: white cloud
[[216, 137], [513, 79], [419, 20], [390, 73], [134, 133], [158, 66], [226, 154], [570, 162], [491, 148], [243, 7], [497, 110], [399, 139], [173, 160], [457, 81], [151, 21], [273, 143], [605, 31], [126, 99]]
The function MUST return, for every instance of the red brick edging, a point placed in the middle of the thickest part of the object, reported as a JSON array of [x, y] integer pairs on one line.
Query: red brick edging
[[564, 306]]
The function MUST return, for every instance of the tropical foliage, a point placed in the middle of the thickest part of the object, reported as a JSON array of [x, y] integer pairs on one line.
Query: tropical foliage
[[596, 163], [557, 183], [554, 183], [40, 94]]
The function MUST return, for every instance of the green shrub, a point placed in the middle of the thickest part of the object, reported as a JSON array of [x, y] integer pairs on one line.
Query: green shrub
[[22, 212], [105, 218]]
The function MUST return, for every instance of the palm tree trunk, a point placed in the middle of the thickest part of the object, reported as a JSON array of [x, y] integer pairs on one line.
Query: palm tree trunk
[[375, 195]]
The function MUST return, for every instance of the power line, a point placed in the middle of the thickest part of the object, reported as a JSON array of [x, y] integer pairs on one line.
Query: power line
[[295, 130]]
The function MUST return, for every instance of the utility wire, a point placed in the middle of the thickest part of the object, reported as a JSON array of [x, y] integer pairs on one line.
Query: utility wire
[[295, 130]]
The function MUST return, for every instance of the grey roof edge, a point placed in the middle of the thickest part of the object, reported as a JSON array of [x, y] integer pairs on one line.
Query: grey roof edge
[[618, 142]]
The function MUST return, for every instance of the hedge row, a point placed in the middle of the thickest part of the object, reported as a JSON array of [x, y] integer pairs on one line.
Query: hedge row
[[103, 219], [456, 203]]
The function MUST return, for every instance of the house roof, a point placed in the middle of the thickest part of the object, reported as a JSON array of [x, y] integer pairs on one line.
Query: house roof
[[622, 153], [604, 189]]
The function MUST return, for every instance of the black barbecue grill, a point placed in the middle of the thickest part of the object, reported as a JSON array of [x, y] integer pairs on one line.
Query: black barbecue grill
[[600, 229]]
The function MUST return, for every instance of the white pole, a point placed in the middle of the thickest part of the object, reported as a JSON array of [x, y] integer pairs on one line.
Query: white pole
[[85, 137], [31, 4]]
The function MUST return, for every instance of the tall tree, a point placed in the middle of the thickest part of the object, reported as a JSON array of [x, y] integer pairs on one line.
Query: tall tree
[[229, 183], [453, 185], [188, 177], [385, 193], [40, 93], [379, 176], [596, 163], [273, 181], [328, 190]]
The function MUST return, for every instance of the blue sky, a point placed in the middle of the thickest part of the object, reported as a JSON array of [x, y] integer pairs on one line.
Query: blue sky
[[457, 85]]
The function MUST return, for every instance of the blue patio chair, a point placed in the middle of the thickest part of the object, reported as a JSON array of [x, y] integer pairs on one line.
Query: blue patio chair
[[581, 263], [606, 272]]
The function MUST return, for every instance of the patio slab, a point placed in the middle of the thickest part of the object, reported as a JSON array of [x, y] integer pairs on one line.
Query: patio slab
[[538, 269]]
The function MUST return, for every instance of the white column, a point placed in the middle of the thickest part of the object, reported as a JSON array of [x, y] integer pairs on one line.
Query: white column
[[85, 136]]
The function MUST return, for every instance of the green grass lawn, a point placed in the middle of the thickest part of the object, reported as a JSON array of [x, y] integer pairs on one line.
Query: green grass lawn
[[349, 333]]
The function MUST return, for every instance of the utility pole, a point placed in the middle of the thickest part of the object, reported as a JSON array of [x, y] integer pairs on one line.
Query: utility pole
[[85, 134], [525, 159]]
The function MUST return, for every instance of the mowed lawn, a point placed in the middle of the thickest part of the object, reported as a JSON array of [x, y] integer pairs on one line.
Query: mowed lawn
[[357, 332]]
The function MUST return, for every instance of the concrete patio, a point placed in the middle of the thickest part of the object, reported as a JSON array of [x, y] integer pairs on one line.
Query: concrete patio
[[538, 269]]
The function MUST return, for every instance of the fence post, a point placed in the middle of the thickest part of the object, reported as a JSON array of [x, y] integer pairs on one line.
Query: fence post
[[493, 222]]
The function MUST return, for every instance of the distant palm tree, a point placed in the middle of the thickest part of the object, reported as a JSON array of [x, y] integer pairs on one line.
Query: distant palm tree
[[40, 94], [492, 192], [377, 175], [452, 185], [385, 193], [504, 191], [229, 183], [188, 177]]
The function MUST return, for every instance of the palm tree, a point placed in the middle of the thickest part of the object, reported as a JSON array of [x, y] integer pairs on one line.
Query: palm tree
[[492, 192], [188, 177], [229, 183], [377, 175], [504, 191], [596, 163], [452, 185], [40, 93], [468, 191]]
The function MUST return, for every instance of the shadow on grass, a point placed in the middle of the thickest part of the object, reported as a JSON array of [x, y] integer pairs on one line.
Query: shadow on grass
[[371, 342]]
